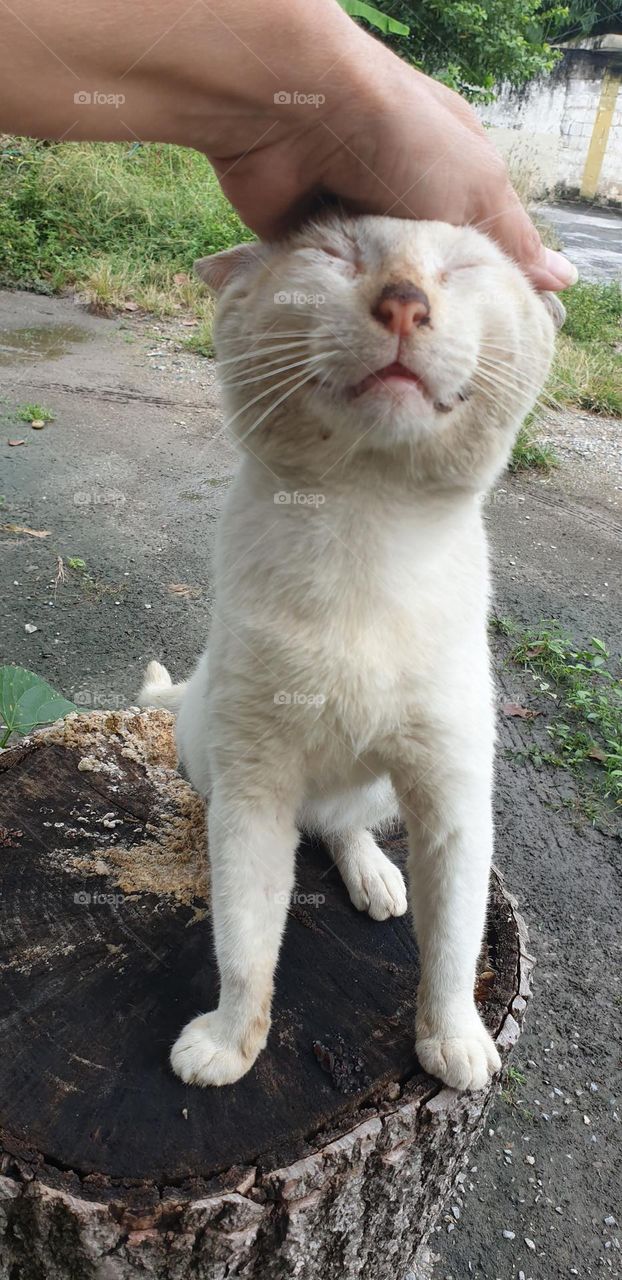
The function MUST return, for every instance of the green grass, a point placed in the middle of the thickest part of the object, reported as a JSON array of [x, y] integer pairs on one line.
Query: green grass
[[587, 369], [121, 223], [588, 364], [34, 413], [529, 453], [587, 689]]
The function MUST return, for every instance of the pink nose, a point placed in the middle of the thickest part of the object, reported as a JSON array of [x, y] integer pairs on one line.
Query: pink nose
[[402, 307]]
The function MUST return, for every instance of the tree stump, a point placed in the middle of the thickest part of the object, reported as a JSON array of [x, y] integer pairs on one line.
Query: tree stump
[[332, 1158]]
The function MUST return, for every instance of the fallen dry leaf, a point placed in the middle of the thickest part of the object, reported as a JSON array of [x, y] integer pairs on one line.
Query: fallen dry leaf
[[184, 589], [515, 709], [180, 277], [484, 984], [9, 837], [130, 306], [14, 443], [597, 753], [23, 528]]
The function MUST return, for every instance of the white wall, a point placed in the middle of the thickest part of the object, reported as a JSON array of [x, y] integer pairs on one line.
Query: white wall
[[544, 129]]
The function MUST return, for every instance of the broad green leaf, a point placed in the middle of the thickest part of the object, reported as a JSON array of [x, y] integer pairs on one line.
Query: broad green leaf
[[27, 701], [381, 21]]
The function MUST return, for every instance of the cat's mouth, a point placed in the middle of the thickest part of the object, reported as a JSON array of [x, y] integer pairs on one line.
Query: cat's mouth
[[394, 376]]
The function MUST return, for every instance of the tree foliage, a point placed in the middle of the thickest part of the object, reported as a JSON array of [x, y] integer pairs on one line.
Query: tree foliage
[[472, 46]]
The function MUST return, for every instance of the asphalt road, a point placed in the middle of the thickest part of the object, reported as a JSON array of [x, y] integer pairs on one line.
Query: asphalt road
[[591, 237]]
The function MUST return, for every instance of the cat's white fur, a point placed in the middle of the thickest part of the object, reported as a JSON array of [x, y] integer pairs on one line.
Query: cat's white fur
[[348, 679]]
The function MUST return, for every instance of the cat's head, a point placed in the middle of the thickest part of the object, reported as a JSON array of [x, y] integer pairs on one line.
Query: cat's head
[[369, 335]]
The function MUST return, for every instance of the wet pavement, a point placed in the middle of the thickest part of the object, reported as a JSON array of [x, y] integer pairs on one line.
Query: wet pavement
[[591, 237]]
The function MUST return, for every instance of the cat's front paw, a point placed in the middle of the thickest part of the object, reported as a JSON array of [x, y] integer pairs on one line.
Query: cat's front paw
[[203, 1054], [375, 884], [463, 1060]]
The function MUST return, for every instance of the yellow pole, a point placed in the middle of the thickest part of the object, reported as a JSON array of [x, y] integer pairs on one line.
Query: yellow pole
[[600, 133]]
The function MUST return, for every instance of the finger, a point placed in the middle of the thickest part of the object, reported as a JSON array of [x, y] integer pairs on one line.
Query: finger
[[513, 229]]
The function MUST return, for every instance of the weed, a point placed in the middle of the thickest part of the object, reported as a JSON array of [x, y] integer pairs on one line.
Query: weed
[[512, 1081], [588, 693], [34, 413], [529, 453]]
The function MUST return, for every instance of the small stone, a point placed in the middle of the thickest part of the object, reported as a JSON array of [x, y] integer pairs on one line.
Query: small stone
[[593, 1086], [586, 1120], [147, 606], [530, 1159], [610, 1221], [29, 628], [509, 1235], [530, 1243], [456, 1212], [184, 1112]]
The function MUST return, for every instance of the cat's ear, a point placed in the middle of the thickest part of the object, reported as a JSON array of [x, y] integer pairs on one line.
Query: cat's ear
[[555, 308], [219, 268]]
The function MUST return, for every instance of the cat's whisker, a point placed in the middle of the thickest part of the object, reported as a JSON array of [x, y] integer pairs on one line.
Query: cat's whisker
[[516, 378], [488, 383], [275, 404], [261, 395], [280, 368], [258, 355]]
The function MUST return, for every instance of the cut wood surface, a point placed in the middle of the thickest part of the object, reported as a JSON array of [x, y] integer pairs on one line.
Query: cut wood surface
[[331, 1158]]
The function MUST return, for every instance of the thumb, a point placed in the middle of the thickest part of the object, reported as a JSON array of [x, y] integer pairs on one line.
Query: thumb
[[513, 229]]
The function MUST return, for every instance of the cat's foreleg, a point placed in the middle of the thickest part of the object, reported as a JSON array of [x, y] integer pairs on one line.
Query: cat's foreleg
[[373, 882], [450, 837], [252, 844]]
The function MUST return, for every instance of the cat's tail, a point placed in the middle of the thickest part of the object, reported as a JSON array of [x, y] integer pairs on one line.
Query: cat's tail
[[158, 689]]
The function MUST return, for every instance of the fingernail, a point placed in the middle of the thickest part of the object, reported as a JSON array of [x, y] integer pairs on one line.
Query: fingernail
[[560, 267]]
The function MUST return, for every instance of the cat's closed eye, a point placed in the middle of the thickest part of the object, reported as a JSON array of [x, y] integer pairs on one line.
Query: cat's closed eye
[[457, 267]]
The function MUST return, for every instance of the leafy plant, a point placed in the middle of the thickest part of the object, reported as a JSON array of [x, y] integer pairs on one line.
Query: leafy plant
[[76, 562], [472, 46], [381, 21], [34, 413], [27, 701], [529, 453]]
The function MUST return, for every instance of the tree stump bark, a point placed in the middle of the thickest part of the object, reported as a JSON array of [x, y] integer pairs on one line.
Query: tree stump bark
[[332, 1158]]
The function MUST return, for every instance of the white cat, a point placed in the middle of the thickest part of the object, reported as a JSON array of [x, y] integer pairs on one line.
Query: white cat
[[375, 372]]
